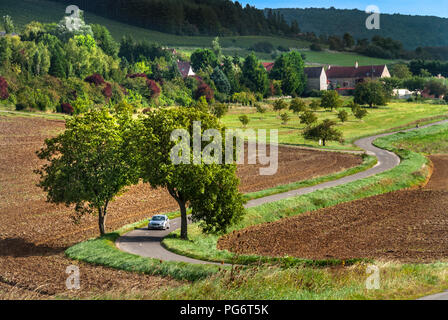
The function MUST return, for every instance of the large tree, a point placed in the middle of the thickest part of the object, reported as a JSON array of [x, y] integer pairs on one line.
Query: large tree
[[202, 59], [254, 75], [289, 68], [89, 163], [324, 131], [372, 93], [210, 189]]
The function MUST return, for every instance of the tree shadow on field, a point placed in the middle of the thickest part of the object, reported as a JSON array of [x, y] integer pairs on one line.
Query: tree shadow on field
[[18, 247]]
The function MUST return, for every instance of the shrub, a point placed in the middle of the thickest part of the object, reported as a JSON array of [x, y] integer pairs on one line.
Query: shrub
[[154, 89], [4, 93], [107, 91], [315, 47], [343, 115], [204, 90], [280, 105], [66, 108], [244, 119], [95, 79], [137, 75], [285, 118]]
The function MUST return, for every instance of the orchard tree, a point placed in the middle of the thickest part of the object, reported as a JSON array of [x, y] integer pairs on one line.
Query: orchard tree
[[89, 163], [297, 105], [343, 115], [308, 117], [371, 93], [324, 131], [315, 105], [359, 112], [331, 100], [208, 188], [244, 120], [280, 105], [285, 118]]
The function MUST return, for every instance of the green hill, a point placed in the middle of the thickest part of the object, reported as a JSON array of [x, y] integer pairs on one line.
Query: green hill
[[412, 31], [26, 11]]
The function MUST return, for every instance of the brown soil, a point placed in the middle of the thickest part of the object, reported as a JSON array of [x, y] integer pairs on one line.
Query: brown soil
[[408, 226], [34, 234]]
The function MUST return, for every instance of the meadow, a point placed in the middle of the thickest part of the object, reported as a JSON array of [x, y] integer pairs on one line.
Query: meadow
[[395, 115]]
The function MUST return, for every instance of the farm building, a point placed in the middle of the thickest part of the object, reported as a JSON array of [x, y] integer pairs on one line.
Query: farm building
[[346, 78], [185, 69], [317, 78]]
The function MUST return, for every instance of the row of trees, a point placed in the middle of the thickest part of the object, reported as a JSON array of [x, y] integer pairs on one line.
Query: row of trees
[[100, 154]]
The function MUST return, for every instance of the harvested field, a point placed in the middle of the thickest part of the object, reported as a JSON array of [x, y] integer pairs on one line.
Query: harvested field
[[407, 226], [34, 234]]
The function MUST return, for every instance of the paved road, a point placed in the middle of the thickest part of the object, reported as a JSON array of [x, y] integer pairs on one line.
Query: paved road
[[148, 243]]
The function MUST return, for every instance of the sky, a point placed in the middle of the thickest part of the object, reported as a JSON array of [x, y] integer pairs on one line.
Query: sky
[[415, 7]]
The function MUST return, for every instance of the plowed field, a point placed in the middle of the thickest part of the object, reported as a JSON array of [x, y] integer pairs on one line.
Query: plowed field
[[408, 226], [34, 234]]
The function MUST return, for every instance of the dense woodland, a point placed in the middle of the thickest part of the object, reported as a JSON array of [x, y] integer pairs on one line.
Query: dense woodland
[[190, 17], [412, 31]]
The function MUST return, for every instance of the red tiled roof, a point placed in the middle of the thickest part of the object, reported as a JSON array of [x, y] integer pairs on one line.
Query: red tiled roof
[[184, 68], [353, 72], [268, 66]]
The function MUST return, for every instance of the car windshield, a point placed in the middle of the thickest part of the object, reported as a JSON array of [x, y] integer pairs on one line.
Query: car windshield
[[158, 218]]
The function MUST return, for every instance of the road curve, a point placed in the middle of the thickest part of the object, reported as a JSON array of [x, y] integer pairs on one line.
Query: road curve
[[149, 243]]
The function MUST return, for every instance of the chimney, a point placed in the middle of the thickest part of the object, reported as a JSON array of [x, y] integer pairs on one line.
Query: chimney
[[356, 65]]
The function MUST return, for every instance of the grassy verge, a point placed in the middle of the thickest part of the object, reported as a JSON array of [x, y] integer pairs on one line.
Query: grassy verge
[[412, 171], [368, 162], [397, 281]]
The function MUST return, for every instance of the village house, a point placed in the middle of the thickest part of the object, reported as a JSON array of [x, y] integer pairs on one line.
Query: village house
[[316, 79], [345, 79], [185, 69]]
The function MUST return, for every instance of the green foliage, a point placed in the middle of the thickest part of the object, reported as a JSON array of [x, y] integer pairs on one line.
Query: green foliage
[[324, 131], [297, 105], [201, 59], [343, 115], [221, 81], [280, 105], [244, 119], [89, 164], [254, 75], [401, 71], [8, 24], [104, 40], [359, 112], [331, 100], [285, 118], [289, 68], [219, 109], [260, 109], [372, 93], [315, 105], [308, 117], [210, 189], [437, 87]]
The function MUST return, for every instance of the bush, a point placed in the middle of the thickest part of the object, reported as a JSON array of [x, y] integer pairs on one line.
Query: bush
[[315, 47], [95, 79], [107, 91], [4, 93], [204, 90], [66, 108], [244, 119]]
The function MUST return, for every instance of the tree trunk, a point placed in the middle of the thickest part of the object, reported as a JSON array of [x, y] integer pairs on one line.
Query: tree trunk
[[183, 221], [183, 213], [102, 220], [323, 142]]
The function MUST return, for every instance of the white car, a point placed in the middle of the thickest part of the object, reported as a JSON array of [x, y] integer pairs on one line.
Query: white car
[[159, 222]]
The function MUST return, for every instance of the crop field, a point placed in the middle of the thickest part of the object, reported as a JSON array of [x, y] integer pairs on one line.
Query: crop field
[[395, 115], [35, 234]]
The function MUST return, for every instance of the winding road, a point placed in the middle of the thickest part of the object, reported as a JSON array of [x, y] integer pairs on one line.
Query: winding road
[[149, 243]]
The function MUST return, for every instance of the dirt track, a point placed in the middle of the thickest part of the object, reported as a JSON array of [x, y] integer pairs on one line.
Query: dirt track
[[34, 234], [409, 226]]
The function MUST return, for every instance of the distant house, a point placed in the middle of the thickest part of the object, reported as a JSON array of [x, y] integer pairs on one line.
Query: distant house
[[402, 93], [268, 66], [185, 69], [317, 79], [346, 78]]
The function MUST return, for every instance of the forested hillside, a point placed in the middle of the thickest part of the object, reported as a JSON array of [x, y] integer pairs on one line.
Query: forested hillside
[[412, 31], [190, 17]]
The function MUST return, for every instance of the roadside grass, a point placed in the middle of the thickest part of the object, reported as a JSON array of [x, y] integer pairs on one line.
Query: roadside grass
[[431, 140], [379, 120], [397, 281], [102, 251], [368, 162], [412, 171]]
